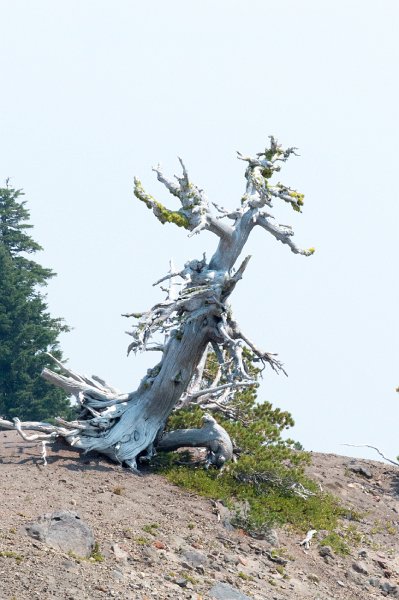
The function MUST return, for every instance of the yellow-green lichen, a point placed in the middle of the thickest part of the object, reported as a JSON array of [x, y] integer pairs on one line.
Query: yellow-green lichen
[[170, 216], [163, 214], [299, 200]]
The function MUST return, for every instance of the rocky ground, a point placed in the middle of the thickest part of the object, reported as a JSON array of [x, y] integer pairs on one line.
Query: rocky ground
[[157, 541]]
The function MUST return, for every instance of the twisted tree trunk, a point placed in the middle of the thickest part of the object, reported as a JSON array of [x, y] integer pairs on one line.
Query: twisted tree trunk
[[124, 426]]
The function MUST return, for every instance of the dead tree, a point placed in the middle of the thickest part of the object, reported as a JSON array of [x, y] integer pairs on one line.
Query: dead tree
[[182, 328]]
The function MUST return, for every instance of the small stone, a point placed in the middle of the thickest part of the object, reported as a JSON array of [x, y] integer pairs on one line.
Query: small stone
[[354, 577], [159, 545], [69, 565], [117, 575], [360, 567], [120, 554], [326, 551], [230, 559], [374, 582], [391, 590]]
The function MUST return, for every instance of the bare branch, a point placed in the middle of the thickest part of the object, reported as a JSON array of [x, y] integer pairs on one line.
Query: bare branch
[[43, 453], [308, 539], [219, 388], [393, 462], [283, 234], [47, 431], [263, 356], [170, 185]]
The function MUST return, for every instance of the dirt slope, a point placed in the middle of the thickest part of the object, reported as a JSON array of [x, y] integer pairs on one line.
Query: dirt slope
[[161, 542]]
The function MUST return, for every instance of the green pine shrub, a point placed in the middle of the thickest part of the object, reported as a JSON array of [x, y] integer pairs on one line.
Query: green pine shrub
[[261, 487]]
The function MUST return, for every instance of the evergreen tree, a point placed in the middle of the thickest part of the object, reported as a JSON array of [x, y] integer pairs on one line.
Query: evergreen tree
[[27, 330]]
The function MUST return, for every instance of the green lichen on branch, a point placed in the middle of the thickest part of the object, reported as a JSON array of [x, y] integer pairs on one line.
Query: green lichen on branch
[[163, 214]]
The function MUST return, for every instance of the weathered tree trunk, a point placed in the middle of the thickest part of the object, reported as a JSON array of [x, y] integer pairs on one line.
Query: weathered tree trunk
[[124, 426]]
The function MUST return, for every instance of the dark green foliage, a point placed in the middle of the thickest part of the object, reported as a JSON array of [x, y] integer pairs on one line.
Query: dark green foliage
[[268, 472], [27, 330], [337, 543]]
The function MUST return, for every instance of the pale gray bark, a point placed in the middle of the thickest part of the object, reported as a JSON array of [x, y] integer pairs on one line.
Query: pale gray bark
[[210, 436], [124, 426]]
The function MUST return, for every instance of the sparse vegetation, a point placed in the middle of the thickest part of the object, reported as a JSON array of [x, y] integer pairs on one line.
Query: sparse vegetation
[[10, 554], [281, 571], [189, 577], [96, 555], [151, 528], [141, 540]]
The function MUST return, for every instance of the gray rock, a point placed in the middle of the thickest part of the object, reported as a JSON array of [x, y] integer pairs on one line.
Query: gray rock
[[360, 567], [117, 575], [70, 566], [223, 591], [391, 590], [120, 554], [186, 566], [326, 551], [268, 535], [226, 517], [360, 470], [374, 582], [63, 530], [195, 558], [150, 555], [230, 559], [355, 578]]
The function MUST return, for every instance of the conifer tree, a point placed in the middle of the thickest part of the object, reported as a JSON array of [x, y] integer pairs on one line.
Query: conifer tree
[[27, 331]]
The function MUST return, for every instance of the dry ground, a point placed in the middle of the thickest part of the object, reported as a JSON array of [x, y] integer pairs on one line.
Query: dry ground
[[161, 542]]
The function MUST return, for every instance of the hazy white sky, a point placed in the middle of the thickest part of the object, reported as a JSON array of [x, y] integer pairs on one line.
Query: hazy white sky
[[94, 92]]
